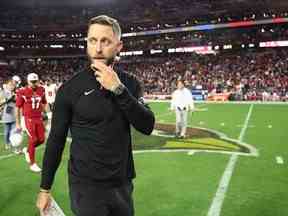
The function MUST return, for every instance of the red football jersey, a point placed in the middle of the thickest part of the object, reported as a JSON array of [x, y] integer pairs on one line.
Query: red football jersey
[[32, 101]]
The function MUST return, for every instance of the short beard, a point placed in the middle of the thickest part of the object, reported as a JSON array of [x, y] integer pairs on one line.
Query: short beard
[[108, 61]]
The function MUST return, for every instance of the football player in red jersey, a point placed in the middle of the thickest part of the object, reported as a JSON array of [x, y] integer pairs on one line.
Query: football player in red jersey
[[31, 102]]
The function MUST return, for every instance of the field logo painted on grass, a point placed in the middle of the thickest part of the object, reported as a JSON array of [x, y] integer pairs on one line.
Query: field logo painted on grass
[[202, 140]]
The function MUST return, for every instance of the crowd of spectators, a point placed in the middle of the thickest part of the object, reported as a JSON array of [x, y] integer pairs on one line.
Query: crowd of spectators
[[246, 75], [56, 70], [261, 75], [137, 15]]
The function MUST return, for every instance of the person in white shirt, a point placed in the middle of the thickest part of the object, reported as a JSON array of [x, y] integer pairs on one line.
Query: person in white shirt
[[182, 102], [50, 91], [8, 114]]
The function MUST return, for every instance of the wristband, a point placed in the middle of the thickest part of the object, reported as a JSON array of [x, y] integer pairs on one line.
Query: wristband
[[44, 191], [118, 90]]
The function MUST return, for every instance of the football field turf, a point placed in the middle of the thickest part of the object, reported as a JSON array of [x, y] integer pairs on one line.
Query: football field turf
[[242, 174]]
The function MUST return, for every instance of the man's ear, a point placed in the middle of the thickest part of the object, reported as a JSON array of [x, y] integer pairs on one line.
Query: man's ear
[[119, 46]]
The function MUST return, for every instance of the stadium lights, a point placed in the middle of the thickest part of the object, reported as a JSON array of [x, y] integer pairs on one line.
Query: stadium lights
[[217, 47], [229, 46], [129, 34], [182, 49], [138, 52], [196, 49], [131, 53], [155, 51], [2, 48], [61, 35], [169, 25], [213, 25], [243, 45], [274, 44], [3, 63], [125, 53], [56, 46], [251, 45]]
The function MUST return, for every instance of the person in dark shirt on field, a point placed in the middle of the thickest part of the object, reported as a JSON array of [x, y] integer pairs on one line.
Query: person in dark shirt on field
[[98, 105]]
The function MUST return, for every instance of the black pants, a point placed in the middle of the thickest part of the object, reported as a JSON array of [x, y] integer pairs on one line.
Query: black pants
[[95, 201]]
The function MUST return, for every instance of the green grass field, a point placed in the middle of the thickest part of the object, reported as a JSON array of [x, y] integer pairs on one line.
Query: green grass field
[[176, 183]]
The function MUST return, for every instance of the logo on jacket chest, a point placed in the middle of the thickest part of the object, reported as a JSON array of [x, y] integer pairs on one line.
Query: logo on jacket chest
[[89, 92]]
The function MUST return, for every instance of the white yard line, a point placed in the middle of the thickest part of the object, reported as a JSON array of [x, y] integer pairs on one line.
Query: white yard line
[[6, 156], [216, 205], [229, 102], [279, 160], [249, 126], [68, 139]]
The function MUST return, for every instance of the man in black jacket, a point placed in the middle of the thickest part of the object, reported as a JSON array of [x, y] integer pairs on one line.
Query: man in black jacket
[[98, 105]]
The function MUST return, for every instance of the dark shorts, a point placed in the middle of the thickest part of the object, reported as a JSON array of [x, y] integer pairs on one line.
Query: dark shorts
[[95, 201]]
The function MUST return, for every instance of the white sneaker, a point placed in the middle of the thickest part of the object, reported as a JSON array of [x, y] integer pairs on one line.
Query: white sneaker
[[26, 154], [17, 151], [35, 168]]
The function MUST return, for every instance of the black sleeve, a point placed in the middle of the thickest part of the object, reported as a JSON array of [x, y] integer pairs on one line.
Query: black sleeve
[[138, 114], [61, 119]]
